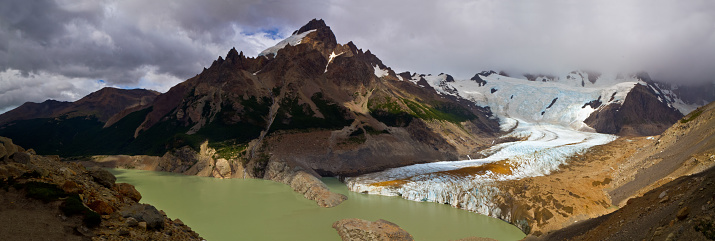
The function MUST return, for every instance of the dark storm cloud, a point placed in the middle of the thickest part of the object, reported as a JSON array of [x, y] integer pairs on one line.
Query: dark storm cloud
[[674, 40], [60, 49]]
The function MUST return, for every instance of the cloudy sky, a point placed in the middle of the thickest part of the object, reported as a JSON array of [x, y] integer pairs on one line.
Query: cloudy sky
[[65, 49]]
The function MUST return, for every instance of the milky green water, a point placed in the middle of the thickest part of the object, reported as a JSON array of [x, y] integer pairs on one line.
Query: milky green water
[[238, 209]]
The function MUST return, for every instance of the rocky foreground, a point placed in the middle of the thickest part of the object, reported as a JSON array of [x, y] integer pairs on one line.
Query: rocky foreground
[[67, 201]]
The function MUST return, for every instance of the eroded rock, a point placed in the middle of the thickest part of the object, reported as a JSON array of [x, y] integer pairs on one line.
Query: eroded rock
[[128, 190], [357, 229]]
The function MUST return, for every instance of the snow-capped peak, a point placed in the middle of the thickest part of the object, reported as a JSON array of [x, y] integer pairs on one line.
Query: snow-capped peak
[[293, 40]]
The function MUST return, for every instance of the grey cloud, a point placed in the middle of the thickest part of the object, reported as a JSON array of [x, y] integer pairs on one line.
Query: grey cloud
[[132, 42]]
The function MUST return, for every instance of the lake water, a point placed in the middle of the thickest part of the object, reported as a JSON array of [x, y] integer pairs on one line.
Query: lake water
[[250, 209]]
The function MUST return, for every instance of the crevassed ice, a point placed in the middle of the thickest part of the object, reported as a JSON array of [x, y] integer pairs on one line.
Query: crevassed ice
[[546, 147]]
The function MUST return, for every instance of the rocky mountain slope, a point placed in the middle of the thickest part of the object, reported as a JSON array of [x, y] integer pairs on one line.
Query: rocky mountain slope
[[652, 180], [69, 202], [328, 108], [76, 128], [682, 209], [102, 104]]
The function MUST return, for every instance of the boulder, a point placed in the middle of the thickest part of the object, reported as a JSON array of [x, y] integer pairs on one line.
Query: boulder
[[132, 222], [357, 229], [101, 207], [128, 190], [67, 172], [71, 187], [21, 157], [3, 152], [223, 167], [103, 177], [683, 213], [8, 146], [145, 213]]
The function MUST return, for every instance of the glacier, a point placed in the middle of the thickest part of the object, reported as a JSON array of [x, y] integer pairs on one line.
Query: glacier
[[547, 117]]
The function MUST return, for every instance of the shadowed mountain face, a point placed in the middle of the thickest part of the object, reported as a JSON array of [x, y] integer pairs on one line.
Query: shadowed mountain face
[[103, 104], [346, 110], [641, 114]]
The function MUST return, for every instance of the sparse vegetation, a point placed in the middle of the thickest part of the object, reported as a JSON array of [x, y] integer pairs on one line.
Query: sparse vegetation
[[294, 116], [229, 149], [693, 115], [707, 228], [393, 114]]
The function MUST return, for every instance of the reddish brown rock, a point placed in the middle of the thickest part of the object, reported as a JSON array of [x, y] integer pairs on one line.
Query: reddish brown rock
[[358, 229], [71, 187], [128, 190], [101, 207]]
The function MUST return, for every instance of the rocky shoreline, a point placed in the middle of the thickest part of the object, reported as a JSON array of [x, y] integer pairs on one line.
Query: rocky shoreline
[[204, 163], [70, 202]]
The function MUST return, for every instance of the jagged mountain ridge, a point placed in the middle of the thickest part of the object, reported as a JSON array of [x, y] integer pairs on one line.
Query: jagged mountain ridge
[[357, 115], [351, 104], [318, 83]]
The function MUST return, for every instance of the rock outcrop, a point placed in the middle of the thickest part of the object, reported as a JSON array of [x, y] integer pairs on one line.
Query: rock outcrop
[[302, 182], [44, 198], [363, 230]]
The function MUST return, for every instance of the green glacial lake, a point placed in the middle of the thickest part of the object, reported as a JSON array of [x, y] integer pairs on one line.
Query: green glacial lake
[[238, 209]]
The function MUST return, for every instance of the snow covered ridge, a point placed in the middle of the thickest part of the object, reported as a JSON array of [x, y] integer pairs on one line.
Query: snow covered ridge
[[565, 101], [541, 102], [293, 40]]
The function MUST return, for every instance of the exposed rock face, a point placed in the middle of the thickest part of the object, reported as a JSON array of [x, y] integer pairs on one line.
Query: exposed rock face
[[359, 230], [183, 160], [479, 80], [48, 199], [640, 114]]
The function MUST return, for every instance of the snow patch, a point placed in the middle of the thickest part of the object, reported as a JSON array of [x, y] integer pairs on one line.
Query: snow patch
[[293, 40], [380, 72], [332, 56]]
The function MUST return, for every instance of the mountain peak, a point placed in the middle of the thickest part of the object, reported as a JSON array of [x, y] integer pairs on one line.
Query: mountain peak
[[315, 24]]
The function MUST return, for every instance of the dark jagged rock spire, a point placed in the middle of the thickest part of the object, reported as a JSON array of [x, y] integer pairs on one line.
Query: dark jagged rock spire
[[313, 24]]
